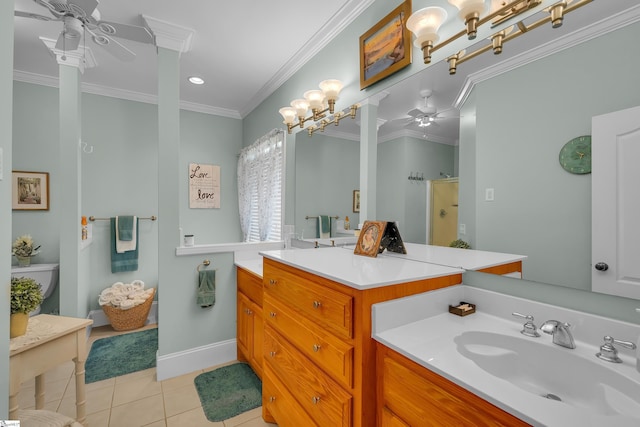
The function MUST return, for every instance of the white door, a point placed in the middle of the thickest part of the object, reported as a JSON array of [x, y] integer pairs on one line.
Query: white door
[[615, 201]]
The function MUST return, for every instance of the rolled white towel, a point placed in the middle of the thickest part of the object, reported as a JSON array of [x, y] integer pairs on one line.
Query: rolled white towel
[[117, 285], [127, 304], [137, 284], [127, 288]]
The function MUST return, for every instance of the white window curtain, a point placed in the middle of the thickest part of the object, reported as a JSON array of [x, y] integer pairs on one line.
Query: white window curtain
[[260, 175]]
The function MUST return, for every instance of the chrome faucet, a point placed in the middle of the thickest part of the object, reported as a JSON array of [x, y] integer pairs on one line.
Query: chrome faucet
[[560, 332], [609, 353]]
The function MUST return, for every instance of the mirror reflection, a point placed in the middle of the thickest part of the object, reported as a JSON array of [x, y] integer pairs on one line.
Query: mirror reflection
[[499, 125]]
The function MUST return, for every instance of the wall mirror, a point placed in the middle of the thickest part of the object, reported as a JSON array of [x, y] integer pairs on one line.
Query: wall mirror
[[508, 131]]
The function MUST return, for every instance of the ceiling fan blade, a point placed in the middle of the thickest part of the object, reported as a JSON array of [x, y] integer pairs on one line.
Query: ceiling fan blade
[[83, 8], [416, 113], [113, 47], [129, 32], [34, 16], [66, 43]]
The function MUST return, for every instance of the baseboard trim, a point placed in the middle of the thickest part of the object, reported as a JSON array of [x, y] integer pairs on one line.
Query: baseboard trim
[[184, 362]]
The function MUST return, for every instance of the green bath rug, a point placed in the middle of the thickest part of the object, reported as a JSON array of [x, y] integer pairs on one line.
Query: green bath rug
[[228, 391], [121, 354]]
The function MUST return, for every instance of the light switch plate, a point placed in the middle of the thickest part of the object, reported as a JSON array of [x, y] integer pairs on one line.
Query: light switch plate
[[488, 194]]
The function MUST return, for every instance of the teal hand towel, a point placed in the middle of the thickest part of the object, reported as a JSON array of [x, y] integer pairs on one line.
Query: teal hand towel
[[125, 261], [324, 226], [125, 228], [207, 288]]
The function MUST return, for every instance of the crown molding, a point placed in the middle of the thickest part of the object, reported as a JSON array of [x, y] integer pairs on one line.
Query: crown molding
[[170, 36], [597, 29], [129, 95], [79, 58], [345, 16]]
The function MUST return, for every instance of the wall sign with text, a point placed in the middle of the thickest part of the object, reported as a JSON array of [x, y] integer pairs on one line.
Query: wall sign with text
[[204, 186]]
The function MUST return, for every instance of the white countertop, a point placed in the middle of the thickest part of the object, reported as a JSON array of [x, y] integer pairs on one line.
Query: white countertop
[[468, 259], [420, 328], [357, 271], [254, 265]]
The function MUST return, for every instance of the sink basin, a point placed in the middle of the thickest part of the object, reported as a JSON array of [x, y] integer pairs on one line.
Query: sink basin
[[552, 372]]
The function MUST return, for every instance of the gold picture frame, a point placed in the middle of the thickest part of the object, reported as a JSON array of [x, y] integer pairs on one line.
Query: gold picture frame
[[30, 191], [386, 47], [369, 238], [356, 201]]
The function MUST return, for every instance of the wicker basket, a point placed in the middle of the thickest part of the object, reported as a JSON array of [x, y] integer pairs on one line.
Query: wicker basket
[[133, 318]]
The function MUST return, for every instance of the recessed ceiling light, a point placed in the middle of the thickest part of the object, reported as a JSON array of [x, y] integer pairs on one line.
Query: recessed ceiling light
[[196, 80]]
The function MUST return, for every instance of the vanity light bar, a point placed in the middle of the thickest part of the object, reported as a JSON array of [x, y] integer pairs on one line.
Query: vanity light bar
[[460, 57]]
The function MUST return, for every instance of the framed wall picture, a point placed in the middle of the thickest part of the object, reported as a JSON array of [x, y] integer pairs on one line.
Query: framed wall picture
[[369, 239], [356, 201], [30, 191], [386, 47], [204, 186]]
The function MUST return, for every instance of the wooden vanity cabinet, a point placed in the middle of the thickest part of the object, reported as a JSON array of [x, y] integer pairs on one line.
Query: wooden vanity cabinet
[[411, 395], [250, 325], [318, 352]]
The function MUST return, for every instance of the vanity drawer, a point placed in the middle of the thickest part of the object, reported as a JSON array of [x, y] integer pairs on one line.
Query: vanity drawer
[[331, 354], [326, 401], [326, 306], [282, 405], [420, 397], [250, 285]]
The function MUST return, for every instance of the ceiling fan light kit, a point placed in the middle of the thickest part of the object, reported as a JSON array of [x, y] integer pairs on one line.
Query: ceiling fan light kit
[[425, 23], [80, 16]]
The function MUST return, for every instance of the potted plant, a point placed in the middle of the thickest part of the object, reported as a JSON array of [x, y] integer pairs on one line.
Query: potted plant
[[23, 249], [26, 296], [460, 244]]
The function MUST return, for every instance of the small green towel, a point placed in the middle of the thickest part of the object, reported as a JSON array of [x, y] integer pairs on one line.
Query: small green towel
[[125, 261], [125, 228], [324, 226], [207, 288]]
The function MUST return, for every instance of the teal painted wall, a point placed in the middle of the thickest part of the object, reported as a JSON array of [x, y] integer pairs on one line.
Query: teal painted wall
[[403, 200], [327, 172], [6, 126], [540, 209]]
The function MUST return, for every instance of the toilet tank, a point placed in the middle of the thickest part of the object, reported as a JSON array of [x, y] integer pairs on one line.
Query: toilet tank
[[45, 274]]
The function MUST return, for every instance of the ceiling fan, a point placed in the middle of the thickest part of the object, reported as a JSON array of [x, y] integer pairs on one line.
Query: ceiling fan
[[425, 115], [80, 16]]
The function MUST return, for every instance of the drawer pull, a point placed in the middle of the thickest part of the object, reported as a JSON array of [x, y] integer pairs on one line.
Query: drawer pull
[[316, 347], [272, 353], [273, 282], [272, 398], [272, 314], [317, 304], [248, 311], [315, 400]]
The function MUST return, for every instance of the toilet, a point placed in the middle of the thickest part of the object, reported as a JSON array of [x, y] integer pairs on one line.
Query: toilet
[[45, 274]]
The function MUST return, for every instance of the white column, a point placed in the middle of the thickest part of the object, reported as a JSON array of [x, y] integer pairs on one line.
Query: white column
[[66, 187], [171, 41]]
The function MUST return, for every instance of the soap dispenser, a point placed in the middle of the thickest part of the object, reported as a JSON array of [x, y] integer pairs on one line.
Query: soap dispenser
[[346, 223]]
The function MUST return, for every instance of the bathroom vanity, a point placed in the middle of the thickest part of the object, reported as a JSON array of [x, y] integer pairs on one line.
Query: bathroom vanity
[[319, 357], [481, 370], [310, 316]]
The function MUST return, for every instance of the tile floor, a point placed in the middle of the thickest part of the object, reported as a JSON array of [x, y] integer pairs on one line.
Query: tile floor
[[132, 400]]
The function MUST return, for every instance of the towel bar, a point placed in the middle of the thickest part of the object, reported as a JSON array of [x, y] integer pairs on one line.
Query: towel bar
[[311, 217], [206, 263], [93, 218]]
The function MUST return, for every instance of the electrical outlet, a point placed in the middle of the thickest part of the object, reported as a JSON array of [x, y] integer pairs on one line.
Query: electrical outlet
[[489, 194], [463, 229]]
